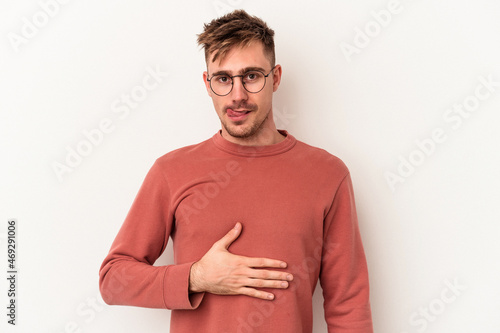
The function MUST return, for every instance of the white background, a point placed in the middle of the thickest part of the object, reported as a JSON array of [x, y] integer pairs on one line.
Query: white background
[[438, 227]]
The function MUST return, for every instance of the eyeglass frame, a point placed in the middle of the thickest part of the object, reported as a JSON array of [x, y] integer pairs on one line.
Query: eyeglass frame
[[242, 83]]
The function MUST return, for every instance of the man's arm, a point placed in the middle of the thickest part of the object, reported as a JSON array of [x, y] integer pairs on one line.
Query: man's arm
[[128, 277], [344, 273]]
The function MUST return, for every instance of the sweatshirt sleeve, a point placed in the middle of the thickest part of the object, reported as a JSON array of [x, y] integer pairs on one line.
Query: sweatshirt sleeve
[[344, 273], [127, 275]]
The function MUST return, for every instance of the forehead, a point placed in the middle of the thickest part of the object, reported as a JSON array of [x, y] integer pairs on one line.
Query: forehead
[[240, 57]]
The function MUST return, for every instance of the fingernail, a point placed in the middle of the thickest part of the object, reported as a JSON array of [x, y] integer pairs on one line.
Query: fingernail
[[270, 296], [284, 284], [283, 265], [289, 277]]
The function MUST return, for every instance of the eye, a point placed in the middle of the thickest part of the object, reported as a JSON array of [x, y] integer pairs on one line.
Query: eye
[[224, 79], [252, 76]]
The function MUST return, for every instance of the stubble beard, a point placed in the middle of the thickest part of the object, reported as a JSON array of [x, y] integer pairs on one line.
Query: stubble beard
[[244, 133]]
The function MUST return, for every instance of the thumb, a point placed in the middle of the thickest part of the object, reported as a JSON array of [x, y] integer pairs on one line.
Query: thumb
[[230, 237]]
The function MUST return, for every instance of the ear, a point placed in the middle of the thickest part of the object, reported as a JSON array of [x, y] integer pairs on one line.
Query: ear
[[207, 84], [276, 77]]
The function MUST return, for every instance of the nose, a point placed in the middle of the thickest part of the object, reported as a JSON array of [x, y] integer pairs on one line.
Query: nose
[[239, 92]]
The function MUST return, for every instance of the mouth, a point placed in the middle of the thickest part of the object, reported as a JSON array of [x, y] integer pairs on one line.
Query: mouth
[[237, 115]]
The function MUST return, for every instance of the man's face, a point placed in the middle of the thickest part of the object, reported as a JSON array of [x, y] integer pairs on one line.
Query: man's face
[[244, 115]]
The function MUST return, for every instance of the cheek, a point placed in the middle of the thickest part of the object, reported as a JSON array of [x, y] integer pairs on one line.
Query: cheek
[[266, 100]]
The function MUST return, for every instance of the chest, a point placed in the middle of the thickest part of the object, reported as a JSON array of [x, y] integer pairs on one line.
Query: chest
[[281, 208]]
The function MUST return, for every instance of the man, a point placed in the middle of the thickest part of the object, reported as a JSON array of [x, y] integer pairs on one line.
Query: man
[[256, 216]]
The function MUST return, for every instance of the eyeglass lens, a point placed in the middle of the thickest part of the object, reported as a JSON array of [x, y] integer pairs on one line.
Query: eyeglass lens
[[253, 82]]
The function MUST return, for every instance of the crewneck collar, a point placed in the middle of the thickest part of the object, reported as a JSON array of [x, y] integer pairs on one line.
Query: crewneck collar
[[254, 151]]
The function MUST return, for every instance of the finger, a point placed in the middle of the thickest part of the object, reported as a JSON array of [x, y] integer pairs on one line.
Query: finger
[[264, 262], [230, 237], [260, 283], [256, 293], [269, 275]]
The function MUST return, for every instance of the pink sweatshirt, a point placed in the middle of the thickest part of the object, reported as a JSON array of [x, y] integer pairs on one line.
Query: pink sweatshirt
[[295, 203]]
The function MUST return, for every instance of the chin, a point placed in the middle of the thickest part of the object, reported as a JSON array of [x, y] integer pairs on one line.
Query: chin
[[240, 133], [243, 130]]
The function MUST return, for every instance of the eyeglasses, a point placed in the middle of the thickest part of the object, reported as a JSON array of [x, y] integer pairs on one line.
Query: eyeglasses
[[253, 82]]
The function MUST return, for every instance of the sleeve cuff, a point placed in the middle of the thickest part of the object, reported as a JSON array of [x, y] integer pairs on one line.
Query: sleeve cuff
[[176, 288]]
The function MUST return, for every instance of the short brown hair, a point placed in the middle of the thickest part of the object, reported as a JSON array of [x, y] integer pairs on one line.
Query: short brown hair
[[236, 29]]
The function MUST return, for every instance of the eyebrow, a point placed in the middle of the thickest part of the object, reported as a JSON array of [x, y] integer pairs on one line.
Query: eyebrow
[[241, 71]]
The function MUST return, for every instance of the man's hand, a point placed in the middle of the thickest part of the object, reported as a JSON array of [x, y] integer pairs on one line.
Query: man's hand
[[223, 273]]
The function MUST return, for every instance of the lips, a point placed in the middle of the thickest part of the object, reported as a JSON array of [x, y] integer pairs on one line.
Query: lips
[[237, 115]]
